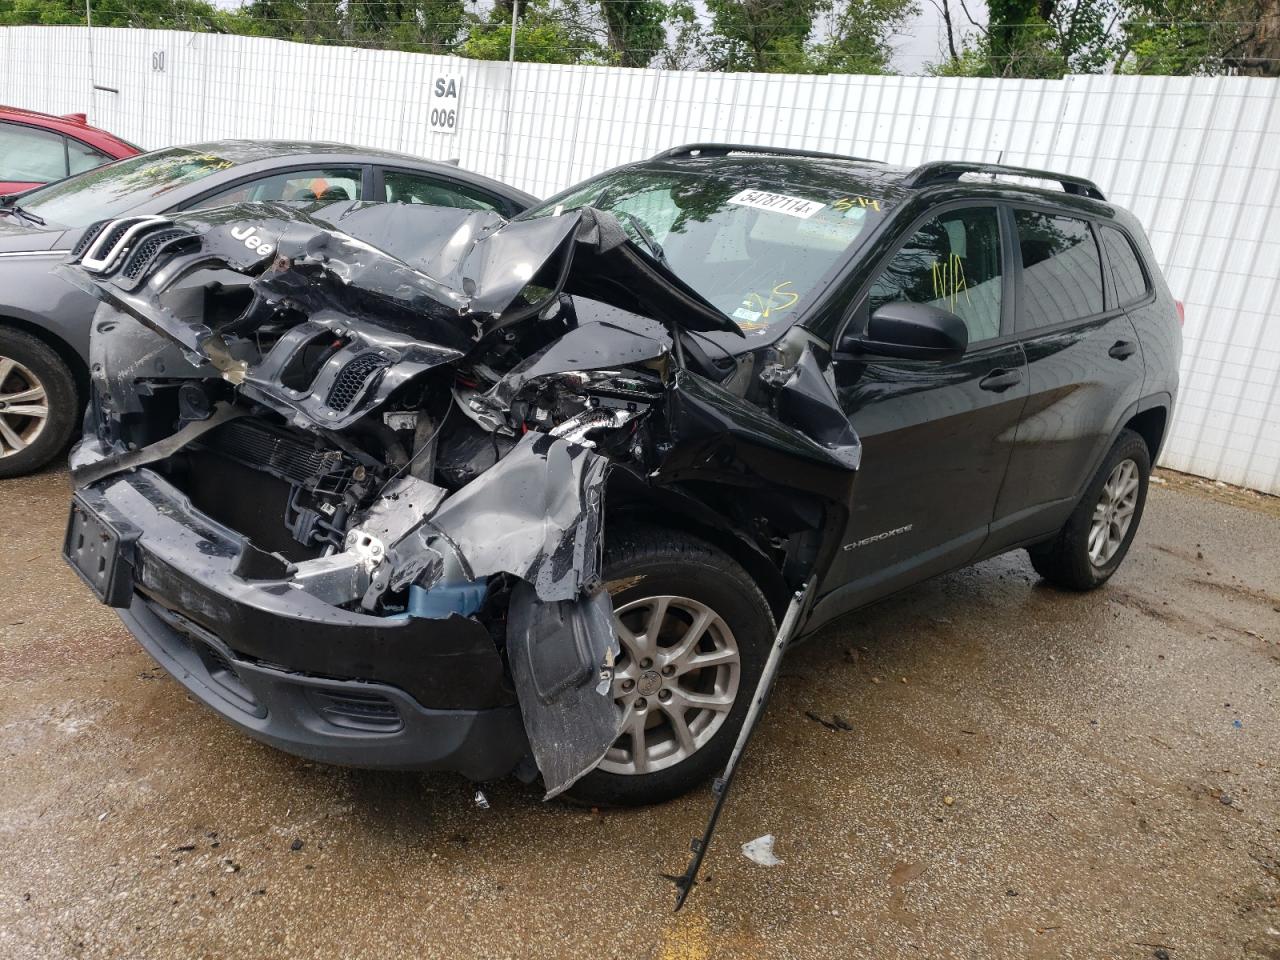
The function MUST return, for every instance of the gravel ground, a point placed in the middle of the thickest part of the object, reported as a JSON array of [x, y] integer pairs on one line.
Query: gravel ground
[[1111, 761]]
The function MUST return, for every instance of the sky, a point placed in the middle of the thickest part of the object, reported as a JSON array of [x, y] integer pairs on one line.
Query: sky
[[921, 43]]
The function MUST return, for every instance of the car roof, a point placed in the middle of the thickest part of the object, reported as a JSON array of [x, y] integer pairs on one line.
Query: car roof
[[888, 182], [816, 170], [74, 125], [251, 156], [248, 151]]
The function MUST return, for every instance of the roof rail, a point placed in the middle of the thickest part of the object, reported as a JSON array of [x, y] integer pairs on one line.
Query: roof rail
[[724, 149], [940, 171]]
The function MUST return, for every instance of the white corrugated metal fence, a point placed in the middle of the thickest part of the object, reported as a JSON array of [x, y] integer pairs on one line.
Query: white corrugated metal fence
[[1196, 159]]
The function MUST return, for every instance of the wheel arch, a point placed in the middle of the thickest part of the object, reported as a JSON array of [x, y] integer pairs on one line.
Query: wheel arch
[[1150, 424], [629, 499]]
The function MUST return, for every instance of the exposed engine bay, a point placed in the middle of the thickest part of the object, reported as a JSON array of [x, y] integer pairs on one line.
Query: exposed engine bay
[[420, 412]]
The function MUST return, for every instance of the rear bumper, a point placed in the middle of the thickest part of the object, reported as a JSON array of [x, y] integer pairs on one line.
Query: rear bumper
[[297, 673]]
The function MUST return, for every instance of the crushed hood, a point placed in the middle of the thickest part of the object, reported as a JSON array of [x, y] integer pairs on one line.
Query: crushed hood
[[445, 276], [400, 288]]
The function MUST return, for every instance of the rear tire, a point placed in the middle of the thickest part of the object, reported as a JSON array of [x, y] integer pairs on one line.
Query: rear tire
[[39, 404], [1096, 537], [715, 632]]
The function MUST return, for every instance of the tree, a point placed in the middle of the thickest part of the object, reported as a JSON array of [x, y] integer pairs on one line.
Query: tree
[[858, 34], [804, 36], [544, 34], [1203, 37], [1048, 38], [760, 35], [636, 30], [155, 14]]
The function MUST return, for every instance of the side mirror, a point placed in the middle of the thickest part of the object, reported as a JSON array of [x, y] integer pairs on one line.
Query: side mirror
[[912, 331]]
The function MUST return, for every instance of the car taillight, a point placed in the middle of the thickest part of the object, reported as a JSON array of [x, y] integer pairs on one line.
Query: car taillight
[[1182, 312]]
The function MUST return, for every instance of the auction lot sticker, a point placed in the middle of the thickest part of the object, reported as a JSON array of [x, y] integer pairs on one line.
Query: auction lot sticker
[[777, 203], [444, 104]]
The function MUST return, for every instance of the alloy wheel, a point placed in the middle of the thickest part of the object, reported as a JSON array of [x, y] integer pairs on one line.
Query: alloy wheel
[[1113, 514], [24, 407], [676, 681]]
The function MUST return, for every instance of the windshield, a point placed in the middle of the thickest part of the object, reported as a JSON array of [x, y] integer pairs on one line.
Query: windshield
[[756, 250], [117, 188]]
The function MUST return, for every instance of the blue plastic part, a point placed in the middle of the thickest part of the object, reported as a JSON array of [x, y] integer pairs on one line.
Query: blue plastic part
[[463, 597]]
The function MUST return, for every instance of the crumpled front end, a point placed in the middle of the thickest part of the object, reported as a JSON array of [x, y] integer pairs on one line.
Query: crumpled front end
[[379, 446]]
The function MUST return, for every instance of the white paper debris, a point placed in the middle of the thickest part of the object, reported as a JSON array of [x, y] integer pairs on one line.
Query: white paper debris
[[760, 850], [482, 802]]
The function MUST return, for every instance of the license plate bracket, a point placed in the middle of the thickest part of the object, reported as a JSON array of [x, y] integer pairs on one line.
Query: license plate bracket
[[98, 552]]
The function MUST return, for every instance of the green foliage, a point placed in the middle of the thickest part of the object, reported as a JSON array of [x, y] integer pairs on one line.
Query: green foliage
[[155, 14], [1049, 38], [544, 34], [1193, 37], [426, 26], [759, 35], [636, 29], [858, 36], [804, 36]]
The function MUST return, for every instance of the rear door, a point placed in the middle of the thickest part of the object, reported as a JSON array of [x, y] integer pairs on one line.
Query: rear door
[[1084, 368], [936, 435]]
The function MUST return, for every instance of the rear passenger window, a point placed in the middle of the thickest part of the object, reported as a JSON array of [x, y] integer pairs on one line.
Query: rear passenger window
[[1061, 270], [82, 157], [1126, 271], [952, 262], [404, 187]]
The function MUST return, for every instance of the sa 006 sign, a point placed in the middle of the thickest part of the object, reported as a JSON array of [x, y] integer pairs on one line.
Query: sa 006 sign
[[444, 105]]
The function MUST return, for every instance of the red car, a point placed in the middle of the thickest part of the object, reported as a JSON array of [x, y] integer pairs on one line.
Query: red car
[[36, 148]]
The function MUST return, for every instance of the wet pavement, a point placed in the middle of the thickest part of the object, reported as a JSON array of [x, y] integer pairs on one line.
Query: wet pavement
[[1112, 761]]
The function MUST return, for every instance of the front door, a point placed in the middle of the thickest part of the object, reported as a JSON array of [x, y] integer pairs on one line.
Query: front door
[[936, 435]]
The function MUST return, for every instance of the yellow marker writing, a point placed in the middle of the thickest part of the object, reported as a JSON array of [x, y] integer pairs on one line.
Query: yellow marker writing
[[949, 281], [848, 203]]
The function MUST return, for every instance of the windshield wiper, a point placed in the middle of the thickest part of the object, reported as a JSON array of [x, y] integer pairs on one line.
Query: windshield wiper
[[654, 246], [8, 206]]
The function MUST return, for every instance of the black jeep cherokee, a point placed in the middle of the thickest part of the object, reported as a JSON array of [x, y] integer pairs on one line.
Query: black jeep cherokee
[[425, 488]]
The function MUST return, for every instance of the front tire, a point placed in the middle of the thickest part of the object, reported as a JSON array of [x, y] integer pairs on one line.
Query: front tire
[[1096, 537], [38, 403], [695, 631]]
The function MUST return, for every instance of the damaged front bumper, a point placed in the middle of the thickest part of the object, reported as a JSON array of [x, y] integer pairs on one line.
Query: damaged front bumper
[[284, 666]]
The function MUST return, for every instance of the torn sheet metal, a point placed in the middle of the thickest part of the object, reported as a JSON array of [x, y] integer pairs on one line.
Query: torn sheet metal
[[537, 514], [597, 344], [562, 656], [807, 400]]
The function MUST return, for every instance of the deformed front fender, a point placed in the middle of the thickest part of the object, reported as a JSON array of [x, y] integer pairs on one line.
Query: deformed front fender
[[562, 656], [537, 516]]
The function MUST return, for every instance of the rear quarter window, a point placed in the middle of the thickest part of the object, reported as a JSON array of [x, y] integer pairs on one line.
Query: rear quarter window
[[1061, 269], [1126, 269]]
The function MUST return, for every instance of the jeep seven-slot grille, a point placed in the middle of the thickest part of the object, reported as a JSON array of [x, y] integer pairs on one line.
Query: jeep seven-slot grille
[[347, 384], [145, 252]]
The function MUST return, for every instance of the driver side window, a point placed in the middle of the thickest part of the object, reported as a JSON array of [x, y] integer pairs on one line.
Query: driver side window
[[952, 262], [305, 186]]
